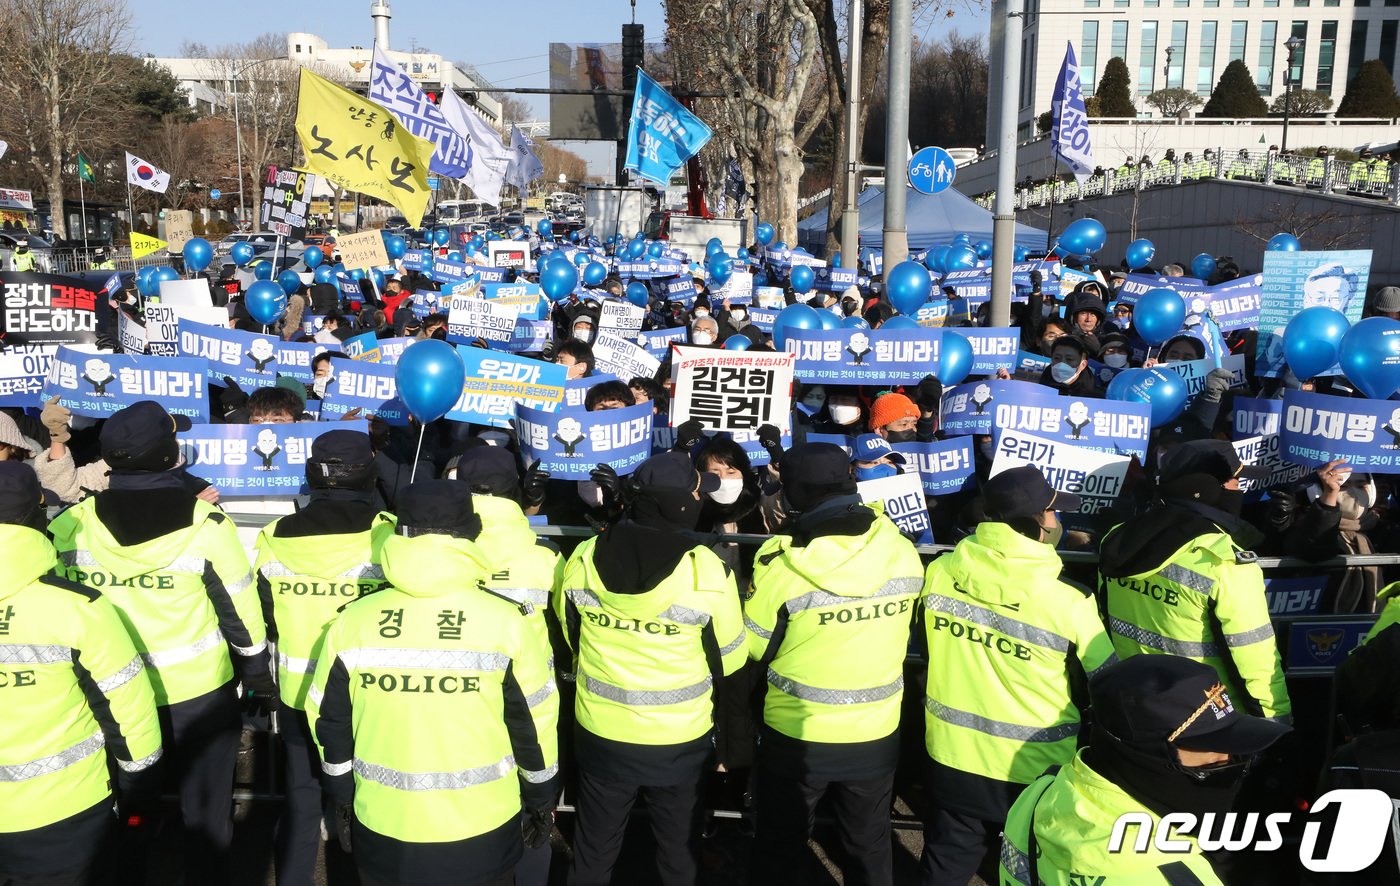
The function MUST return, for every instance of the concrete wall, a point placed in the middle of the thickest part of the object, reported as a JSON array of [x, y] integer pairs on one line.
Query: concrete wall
[[1237, 219]]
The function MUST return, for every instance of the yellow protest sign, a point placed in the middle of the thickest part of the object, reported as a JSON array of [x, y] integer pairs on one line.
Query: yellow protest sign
[[144, 245], [359, 146], [362, 250]]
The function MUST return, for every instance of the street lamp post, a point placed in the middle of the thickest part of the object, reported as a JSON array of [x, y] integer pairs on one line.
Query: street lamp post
[[238, 129], [1291, 44], [1167, 69]]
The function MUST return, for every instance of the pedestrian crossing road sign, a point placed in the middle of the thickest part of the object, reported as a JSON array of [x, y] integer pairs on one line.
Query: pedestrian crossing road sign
[[932, 170]]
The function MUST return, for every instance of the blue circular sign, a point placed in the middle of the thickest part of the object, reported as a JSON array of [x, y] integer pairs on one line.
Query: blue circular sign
[[932, 170], [215, 193]]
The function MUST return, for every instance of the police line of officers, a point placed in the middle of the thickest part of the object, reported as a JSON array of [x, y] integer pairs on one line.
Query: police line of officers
[[420, 659]]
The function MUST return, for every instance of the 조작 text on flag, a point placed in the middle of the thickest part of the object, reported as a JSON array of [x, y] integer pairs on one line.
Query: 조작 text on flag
[[146, 175], [663, 134], [394, 89], [1069, 124]]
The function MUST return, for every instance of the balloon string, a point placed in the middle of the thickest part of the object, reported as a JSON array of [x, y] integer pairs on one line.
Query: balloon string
[[417, 452]]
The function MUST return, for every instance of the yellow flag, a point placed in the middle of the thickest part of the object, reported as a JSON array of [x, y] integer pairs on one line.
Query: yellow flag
[[144, 245], [358, 145]]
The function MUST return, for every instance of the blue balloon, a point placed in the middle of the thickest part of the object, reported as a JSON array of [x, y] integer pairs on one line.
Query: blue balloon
[[143, 280], [429, 377], [656, 249], [960, 258], [1139, 254], [954, 359], [636, 248], [1019, 253], [545, 228], [1158, 315], [1161, 389], [324, 274], [357, 274], [908, 285], [829, 320], [638, 294], [1283, 243], [339, 269], [558, 279], [165, 273], [241, 253], [594, 273], [265, 301], [455, 255], [836, 259], [983, 249], [289, 280], [573, 236], [198, 254], [802, 278], [792, 319], [937, 259], [1370, 356], [1084, 236], [900, 321], [1312, 340], [1202, 266], [721, 268], [764, 233], [962, 240], [394, 246], [581, 259], [313, 256], [780, 246], [441, 236], [378, 277], [713, 247], [855, 321], [262, 270], [737, 342], [741, 255]]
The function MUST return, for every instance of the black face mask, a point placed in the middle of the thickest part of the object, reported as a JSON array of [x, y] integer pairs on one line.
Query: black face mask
[[908, 436], [1154, 776], [1231, 501]]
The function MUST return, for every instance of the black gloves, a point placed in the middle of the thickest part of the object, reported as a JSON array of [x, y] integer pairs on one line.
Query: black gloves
[[1036, 279], [1218, 381], [535, 826], [608, 481], [258, 684], [687, 435], [233, 397], [771, 439], [344, 818], [533, 485], [929, 394]]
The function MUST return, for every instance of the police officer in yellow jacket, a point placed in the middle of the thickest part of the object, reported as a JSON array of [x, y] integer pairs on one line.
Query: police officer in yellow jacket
[[830, 616], [653, 619], [23, 259], [435, 710], [71, 684], [1167, 739], [174, 568], [1179, 578], [309, 565], [1011, 647]]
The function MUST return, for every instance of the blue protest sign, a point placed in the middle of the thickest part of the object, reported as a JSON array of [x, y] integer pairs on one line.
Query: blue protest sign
[[390, 349], [252, 460], [349, 288], [249, 358], [529, 336], [932, 170], [972, 284], [933, 314], [1103, 425], [864, 356], [663, 134], [496, 382], [576, 389], [1234, 304], [1297, 280], [969, 408], [1029, 366], [528, 298], [364, 346], [657, 342], [570, 443], [369, 387], [1255, 417], [763, 318], [416, 260], [1318, 428], [902, 500], [489, 274], [97, 385], [1293, 595], [944, 466], [992, 349], [449, 272], [681, 289], [834, 279]]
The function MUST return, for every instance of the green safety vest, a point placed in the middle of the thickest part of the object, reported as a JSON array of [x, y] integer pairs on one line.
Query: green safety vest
[[639, 659], [1075, 810], [413, 690], [524, 569], [1207, 604], [20, 262], [303, 582], [849, 603], [1004, 634], [187, 597], [71, 684], [106, 265]]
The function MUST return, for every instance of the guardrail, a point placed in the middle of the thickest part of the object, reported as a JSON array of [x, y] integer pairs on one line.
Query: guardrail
[[1377, 178]]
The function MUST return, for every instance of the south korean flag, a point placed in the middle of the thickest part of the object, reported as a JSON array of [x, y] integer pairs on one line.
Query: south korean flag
[[146, 175]]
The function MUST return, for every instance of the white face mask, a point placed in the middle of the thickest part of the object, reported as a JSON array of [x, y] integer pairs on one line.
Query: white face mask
[[728, 491], [1062, 372], [844, 415], [1117, 361], [738, 315], [702, 338], [319, 385], [701, 312], [583, 335]]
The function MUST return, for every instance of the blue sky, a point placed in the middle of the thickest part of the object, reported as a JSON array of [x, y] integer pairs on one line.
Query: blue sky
[[507, 41]]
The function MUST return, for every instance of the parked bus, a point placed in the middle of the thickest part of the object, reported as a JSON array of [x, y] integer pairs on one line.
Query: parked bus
[[449, 211]]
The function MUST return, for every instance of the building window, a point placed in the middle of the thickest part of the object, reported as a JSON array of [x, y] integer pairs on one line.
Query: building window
[[1326, 56], [1357, 53], [1120, 4], [1120, 40], [1239, 36], [1387, 53], [1241, 2], [1270, 2], [1363, 2], [1092, 4], [1181, 3], [1147, 58], [1205, 68], [1264, 73], [1089, 57], [1211, 4], [1151, 4], [1177, 71]]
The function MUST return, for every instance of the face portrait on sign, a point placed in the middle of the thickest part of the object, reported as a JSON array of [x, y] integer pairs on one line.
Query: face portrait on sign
[[1330, 285]]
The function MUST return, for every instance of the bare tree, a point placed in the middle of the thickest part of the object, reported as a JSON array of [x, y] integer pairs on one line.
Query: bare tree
[[1303, 103], [55, 80], [1330, 228]]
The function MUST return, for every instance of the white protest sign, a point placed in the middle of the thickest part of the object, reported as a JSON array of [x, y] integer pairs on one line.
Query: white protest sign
[[738, 289], [732, 390], [622, 316], [163, 325], [622, 358], [1267, 450], [179, 229], [363, 250], [768, 296], [131, 334], [903, 498], [1095, 476], [1194, 372], [188, 293], [470, 316]]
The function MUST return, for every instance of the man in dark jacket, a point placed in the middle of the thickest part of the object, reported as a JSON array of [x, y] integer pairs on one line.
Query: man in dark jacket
[[1086, 312], [1068, 372]]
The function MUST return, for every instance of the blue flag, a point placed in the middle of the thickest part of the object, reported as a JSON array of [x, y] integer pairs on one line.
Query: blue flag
[[1069, 124], [663, 134]]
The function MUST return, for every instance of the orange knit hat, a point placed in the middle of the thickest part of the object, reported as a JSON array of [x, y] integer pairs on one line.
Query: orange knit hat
[[891, 407]]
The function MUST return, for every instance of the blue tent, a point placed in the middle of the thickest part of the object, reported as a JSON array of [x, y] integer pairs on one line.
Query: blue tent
[[932, 220]]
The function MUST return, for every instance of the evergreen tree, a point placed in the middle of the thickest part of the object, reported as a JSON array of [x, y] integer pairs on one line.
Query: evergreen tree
[[1115, 99], [1371, 93], [1235, 95]]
